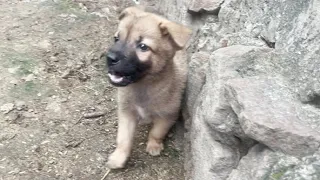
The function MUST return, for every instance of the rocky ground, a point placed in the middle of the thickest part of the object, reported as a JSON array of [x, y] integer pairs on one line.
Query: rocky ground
[[52, 82]]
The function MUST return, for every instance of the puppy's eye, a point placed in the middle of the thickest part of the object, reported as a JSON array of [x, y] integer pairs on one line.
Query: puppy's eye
[[143, 47], [116, 38]]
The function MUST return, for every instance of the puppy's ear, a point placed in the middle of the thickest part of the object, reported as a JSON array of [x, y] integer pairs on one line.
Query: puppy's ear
[[178, 33], [132, 11]]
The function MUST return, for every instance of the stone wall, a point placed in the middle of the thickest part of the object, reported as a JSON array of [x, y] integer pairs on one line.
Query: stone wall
[[252, 106]]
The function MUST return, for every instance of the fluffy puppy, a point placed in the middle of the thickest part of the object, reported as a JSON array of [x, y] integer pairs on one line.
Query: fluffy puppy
[[148, 65]]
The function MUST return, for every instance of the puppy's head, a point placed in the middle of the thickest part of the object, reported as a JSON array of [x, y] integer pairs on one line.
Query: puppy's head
[[144, 43]]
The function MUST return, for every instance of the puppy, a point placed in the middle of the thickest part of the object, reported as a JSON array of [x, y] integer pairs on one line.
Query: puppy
[[148, 65]]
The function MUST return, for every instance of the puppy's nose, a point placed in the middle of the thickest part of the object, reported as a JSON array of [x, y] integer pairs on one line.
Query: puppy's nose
[[112, 58]]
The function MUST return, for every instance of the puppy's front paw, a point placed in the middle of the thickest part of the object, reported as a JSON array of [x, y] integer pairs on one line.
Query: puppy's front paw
[[117, 160], [154, 148]]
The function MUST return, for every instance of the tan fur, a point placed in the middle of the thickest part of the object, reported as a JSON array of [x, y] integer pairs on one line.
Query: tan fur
[[157, 96]]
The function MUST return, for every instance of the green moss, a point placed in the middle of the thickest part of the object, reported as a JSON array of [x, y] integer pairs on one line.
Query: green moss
[[22, 61], [29, 86], [25, 65], [25, 89], [63, 5], [69, 7], [172, 152], [278, 175]]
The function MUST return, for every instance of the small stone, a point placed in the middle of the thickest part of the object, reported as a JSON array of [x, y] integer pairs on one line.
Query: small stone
[[15, 171], [13, 70], [14, 82], [20, 105], [37, 149], [6, 108], [106, 10], [45, 142], [45, 44], [83, 77], [52, 161], [97, 14], [74, 143], [73, 16], [83, 7], [66, 74], [39, 166], [54, 59], [63, 100], [136, 1], [28, 78], [12, 117], [54, 107], [63, 15], [70, 175], [224, 43], [79, 66]]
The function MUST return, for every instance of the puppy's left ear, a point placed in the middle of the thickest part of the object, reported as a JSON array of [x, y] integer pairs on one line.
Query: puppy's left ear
[[178, 33], [132, 11]]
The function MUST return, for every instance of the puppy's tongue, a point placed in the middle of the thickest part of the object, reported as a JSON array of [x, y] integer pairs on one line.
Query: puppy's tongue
[[115, 78]]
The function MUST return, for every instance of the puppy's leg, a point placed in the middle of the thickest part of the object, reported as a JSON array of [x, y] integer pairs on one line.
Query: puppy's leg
[[158, 132], [126, 128]]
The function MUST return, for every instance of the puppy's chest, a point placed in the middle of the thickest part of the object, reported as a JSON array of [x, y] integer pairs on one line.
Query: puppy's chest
[[142, 112], [145, 104], [144, 109], [144, 115]]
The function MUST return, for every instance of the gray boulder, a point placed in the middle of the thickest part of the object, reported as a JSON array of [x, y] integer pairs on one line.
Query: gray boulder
[[208, 6], [263, 163], [252, 105], [267, 113]]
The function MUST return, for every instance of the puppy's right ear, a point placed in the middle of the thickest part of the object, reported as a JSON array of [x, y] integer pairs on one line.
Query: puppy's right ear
[[179, 34], [132, 11]]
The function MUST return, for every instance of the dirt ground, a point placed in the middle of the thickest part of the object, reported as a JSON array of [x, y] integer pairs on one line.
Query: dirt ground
[[51, 76]]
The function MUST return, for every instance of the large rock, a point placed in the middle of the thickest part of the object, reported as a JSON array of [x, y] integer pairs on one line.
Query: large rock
[[292, 26], [259, 83], [208, 6], [211, 155], [245, 100], [211, 159], [307, 168], [228, 63], [262, 163], [268, 113], [196, 78]]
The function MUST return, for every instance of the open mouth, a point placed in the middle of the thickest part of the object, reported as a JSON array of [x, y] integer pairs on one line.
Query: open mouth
[[115, 79], [119, 80]]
